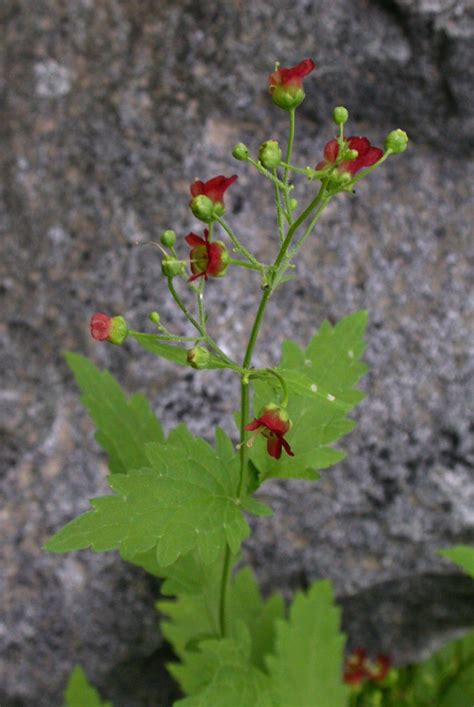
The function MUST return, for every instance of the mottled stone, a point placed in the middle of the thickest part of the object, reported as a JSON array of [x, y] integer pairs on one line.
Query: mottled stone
[[110, 109]]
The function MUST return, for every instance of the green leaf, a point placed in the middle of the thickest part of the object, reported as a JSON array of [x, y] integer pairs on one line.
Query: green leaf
[[321, 382], [221, 674], [124, 426], [462, 555], [171, 352], [79, 693], [445, 680], [307, 667], [187, 499]]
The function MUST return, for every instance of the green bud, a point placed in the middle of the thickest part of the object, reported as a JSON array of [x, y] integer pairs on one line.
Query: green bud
[[240, 151], [294, 203], [168, 238], [203, 208], [172, 267], [340, 115], [396, 141], [352, 154], [198, 357], [118, 330], [269, 154], [154, 317]]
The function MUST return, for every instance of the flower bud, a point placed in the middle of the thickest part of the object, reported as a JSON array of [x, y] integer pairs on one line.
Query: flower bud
[[168, 238], [154, 317], [172, 267], [111, 329], [340, 115], [269, 154], [203, 208], [198, 357], [294, 203], [240, 151], [351, 154], [396, 141]]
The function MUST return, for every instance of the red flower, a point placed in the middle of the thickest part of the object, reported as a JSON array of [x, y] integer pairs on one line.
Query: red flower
[[286, 84], [214, 188], [273, 423], [105, 328], [359, 668], [367, 155], [207, 259]]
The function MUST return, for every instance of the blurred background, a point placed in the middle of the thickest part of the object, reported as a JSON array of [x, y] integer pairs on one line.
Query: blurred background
[[109, 109]]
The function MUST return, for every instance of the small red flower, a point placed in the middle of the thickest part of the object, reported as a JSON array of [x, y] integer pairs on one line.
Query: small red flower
[[105, 328], [207, 259], [214, 188], [273, 423], [286, 84], [358, 668], [367, 155]]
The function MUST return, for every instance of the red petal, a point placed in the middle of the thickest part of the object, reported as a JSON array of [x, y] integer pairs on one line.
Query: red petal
[[372, 156], [197, 188], [361, 144], [287, 447], [274, 445], [100, 325], [293, 74], [217, 186], [194, 240], [304, 68], [331, 151], [272, 421], [254, 425]]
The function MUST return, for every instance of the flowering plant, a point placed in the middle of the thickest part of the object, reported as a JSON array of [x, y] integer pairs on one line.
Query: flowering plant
[[179, 504]]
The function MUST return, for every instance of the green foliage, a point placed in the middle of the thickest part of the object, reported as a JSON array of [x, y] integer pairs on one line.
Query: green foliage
[[307, 666], [321, 380], [462, 555], [186, 499], [298, 666], [444, 680], [79, 693], [124, 426]]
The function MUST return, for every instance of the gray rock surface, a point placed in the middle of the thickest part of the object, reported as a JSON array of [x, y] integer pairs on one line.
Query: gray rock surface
[[110, 109]]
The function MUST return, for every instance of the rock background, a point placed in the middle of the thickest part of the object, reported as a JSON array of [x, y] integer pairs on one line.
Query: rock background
[[109, 110]]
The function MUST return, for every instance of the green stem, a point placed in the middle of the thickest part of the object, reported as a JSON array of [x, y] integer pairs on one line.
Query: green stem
[[258, 373], [244, 264], [367, 171], [324, 202], [238, 245], [166, 338], [289, 152], [226, 569], [279, 209], [272, 177]]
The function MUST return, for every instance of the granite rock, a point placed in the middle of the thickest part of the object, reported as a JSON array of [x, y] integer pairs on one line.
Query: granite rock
[[110, 110]]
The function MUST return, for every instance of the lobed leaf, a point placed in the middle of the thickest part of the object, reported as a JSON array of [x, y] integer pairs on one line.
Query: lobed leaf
[[321, 382], [79, 692]]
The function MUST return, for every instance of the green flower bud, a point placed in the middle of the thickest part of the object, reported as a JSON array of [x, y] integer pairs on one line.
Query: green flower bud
[[172, 267], [198, 357], [352, 154], [269, 154], [168, 238], [294, 203], [396, 141], [240, 151], [340, 115], [154, 317], [203, 208]]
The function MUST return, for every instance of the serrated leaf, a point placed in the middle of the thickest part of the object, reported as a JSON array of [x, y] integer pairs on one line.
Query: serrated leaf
[[171, 352], [186, 500], [124, 426], [307, 666], [321, 383], [462, 555], [194, 614], [79, 692], [221, 674]]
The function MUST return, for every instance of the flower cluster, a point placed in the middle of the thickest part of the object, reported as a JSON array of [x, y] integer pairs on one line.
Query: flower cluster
[[359, 668]]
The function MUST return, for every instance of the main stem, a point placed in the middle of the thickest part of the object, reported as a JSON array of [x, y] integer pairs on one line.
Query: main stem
[[244, 395]]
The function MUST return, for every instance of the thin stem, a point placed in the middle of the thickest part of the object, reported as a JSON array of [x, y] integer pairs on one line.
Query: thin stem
[[166, 338], [309, 229], [272, 177], [238, 245], [223, 595], [279, 210], [257, 373], [289, 152], [367, 171], [244, 264], [200, 303]]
